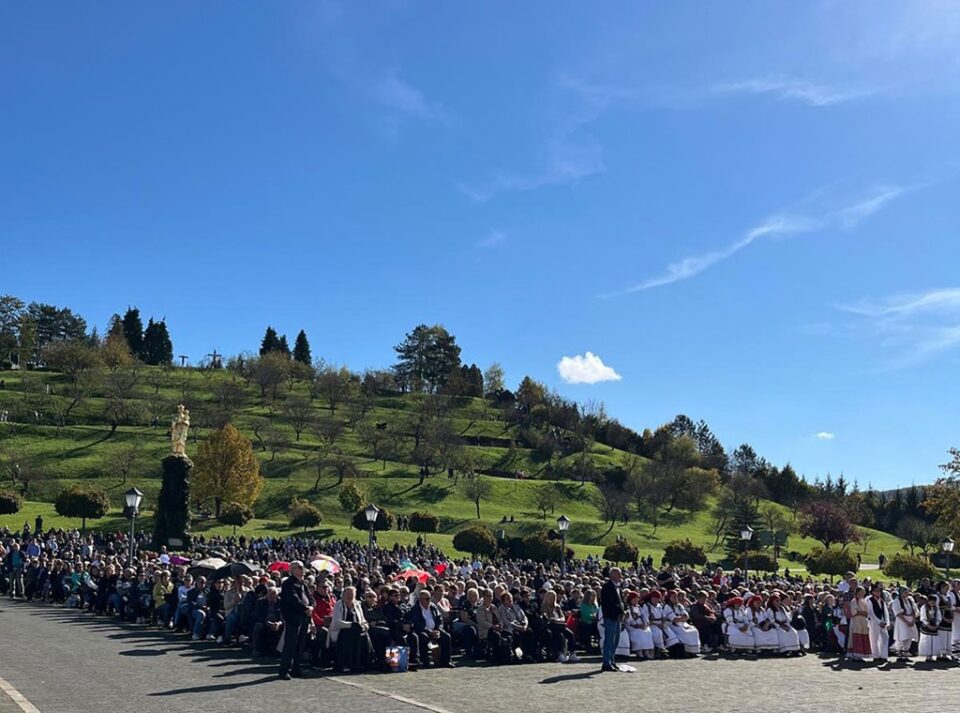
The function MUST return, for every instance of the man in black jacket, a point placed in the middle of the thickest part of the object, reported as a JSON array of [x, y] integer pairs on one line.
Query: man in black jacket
[[426, 621], [296, 607], [611, 604]]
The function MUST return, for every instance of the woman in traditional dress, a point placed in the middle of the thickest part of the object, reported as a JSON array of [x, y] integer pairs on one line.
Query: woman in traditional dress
[[929, 628], [878, 619], [638, 627], [904, 624], [656, 621], [678, 619], [954, 596], [736, 626], [801, 610], [765, 637], [945, 625], [858, 648], [788, 641]]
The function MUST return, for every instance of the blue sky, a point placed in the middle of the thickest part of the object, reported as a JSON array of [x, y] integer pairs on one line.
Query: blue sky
[[747, 213]]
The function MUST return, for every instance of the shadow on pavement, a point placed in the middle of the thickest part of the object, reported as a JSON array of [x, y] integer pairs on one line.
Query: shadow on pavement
[[215, 687], [570, 677]]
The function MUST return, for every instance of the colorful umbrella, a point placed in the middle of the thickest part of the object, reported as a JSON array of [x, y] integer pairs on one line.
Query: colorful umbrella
[[418, 573], [279, 566], [177, 559], [325, 563]]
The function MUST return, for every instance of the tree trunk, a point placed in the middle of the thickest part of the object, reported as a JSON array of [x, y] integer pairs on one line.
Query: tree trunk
[[477, 502], [316, 483], [216, 507]]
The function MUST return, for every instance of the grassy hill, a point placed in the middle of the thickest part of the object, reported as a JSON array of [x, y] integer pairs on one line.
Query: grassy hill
[[84, 451]]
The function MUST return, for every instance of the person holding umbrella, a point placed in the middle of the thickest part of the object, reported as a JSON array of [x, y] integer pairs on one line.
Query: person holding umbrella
[[296, 608]]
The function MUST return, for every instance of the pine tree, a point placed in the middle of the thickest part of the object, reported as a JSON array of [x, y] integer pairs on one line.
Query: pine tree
[[270, 342], [282, 345], [301, 349], [157, 347], [133, 331]]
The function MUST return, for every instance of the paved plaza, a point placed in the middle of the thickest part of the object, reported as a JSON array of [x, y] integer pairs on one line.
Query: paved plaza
[[71, 662]]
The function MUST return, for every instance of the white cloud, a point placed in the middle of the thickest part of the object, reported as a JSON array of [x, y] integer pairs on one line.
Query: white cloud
[[911, 327], [403, 101], [846, 217], [794, 90], [491, 239], [585, 369], [826, 436]]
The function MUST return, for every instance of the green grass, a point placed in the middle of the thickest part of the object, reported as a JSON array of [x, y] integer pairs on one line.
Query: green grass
[[81, 452]]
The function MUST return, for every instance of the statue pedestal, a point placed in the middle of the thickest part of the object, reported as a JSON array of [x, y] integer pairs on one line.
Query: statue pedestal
[[172, 518]]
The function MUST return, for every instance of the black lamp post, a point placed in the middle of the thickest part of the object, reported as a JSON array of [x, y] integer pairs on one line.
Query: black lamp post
[[132, 499], [947, 548], [746, 534], [563, 524], [372, 512]]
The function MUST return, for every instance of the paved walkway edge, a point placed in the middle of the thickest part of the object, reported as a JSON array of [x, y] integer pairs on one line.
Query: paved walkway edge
[[18, 698], [393, 696]]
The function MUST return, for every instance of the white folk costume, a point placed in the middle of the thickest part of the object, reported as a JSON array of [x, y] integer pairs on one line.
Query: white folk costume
[[800, 625], [905, 630], [656, 621], [683, 631], [954, 597], [879, 622], [638, 629], [945, 635], [929, 629], [764, 631], [737, 626], [788, 641]]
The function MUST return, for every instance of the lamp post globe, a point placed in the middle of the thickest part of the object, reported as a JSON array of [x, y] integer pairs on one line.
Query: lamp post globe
[[563, 524], [746, 534], [946, 546], [372, 512]]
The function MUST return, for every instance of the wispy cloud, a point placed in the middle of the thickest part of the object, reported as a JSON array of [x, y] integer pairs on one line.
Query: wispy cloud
[[911, 327], [794, 90], [585, 369], [826, 436], [400, 97], [846, 217], [491, 239]]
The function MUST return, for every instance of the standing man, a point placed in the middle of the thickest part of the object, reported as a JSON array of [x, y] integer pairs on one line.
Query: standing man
[[296, 608], [611, 604]]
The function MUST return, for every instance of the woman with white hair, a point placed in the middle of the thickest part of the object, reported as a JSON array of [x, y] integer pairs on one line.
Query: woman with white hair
[[348, 631], [905, 632]]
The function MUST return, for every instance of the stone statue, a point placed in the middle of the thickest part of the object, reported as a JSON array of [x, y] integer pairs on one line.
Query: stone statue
[[178, 431]]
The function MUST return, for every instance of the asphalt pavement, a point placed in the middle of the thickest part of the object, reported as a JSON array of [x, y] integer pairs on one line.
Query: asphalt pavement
[[72, 662]]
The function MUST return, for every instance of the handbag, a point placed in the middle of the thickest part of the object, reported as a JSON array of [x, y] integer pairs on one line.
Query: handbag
[[397, 658]]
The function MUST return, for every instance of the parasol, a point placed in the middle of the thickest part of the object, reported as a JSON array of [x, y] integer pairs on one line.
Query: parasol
[[279, 566], [325, 563]]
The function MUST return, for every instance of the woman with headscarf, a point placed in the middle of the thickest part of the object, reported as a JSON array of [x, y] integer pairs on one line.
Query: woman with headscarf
[[765, 637], [929, 628], [945, 636], [638, 627], [737, 626], [656, 620], [858, 647], [904, 624], [788, 641], [678, 619]]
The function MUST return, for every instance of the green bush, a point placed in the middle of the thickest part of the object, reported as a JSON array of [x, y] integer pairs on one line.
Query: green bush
[[621, 551], [351, 496], [829, 561], [385, 520], [684, 552], [304, 514], [235, 514], [82, 502], [909, 568], [758, 561], [10, 502], [424, 522], [541, 548], [477, 540]]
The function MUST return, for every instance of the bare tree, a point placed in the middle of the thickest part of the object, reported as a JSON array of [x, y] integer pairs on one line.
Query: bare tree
[[124, 461], [298, 412]]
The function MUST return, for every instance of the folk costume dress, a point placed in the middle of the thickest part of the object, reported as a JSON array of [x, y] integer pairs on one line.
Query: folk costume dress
[[788, 640], [682, 630], [879, 622], [737, 625], [859, 644], [954, 597], [639, 631], [946, 624], [905, 624], [764, 631], [656, 621], [929, 629]]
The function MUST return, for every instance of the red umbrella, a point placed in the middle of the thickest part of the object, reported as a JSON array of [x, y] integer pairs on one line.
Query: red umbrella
[[418, 573], [440, 569], [279, 566]]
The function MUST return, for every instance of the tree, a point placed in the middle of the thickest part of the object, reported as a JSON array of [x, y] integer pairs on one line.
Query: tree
[[909, 568], [621, 551], [298, 412], [121, 405], [493, 380], [829, 561], [612, 503], [11, 311], [54, 324], [916, 534], [383, 444], [124, 460], [157, 347], [476, 489], [115, 352], [775, 522], [476, 540], [268, 372], [282, 346], [351, 497], [327, 431], [133, 331], [226, 470], [424, 522], [270, 342], [235, 514], [334, 386], [943, 497], [684, 552], [384, 521], [301, 349], [426, 358], [82, 502], [10, 502], [828, 522], [304, 514], [343, 468], [26, 340]]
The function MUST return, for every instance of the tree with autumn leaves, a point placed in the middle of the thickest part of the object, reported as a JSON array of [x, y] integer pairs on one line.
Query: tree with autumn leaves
[[943, 497], [226, 470]]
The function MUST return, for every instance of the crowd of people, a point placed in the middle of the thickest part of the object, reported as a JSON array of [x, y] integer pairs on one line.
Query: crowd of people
[[339, 605]]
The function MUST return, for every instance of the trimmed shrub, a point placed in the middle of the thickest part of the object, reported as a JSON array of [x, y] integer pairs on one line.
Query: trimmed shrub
[[424, 522], [910, 568], [82, 502], [476, 540], [385, 520], [235, 514], [10, 502], [758, 561], [351, 496], [829, 561], [684, 552], [304, 514], [621, 551]]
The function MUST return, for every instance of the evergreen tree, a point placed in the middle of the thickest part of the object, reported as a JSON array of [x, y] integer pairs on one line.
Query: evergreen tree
[[270, 342], [301, 349], [133, 331], [157, 347], [426, 358], [282, 345], [744, 514]]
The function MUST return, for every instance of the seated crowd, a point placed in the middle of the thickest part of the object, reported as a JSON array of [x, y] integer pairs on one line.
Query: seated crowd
[[498, 610]]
